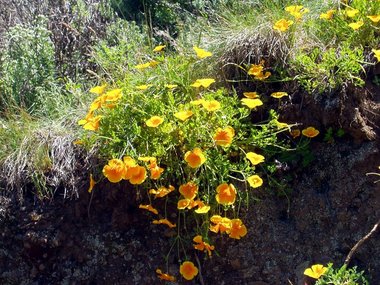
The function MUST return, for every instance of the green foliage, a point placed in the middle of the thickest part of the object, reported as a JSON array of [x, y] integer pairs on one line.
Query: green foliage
[[27, 66], [325, 71], [342, 276]]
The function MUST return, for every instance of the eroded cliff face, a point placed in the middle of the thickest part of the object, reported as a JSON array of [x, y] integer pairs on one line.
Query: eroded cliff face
[[103, 238]]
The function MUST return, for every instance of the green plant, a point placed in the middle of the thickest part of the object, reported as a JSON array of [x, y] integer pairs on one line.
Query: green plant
[[325, 71], [27, 65], [342, 276], [167, 126]]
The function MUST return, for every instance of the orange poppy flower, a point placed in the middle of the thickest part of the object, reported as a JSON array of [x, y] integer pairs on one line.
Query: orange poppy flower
[[129, 163], [189, 190], [154, 121], [255, 158], [310, 132], [226, 194], [164, 222], [92, 184], [115, 170], [137, 174], [237, 230], [183, 204], [201, 245], [149, 208], [165, 276], [222, 224], [295, 133], [188, 270], [223, 137], [155, 172], [195, 158], [162, 191]]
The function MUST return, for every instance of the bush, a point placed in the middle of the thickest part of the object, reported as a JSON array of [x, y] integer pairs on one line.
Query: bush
[[342, 276], [27, 65]]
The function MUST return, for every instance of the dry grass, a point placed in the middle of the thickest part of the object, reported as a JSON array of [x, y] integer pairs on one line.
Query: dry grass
[[47, 161]]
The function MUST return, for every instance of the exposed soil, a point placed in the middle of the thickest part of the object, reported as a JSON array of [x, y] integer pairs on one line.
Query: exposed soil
[[107, 240]]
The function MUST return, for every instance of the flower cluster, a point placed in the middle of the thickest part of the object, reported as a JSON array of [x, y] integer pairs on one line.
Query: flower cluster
[[159, 135]]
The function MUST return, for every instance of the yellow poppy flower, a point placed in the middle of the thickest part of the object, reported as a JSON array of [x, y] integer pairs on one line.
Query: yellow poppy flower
[[237, 229], [211, 105], [282, 25], [297, 11], [251, 103], [224, 137], [377, 54], [374, 18], [315, 271], [164, 222], [351, 13], [97, 103], [328, 15], [255, 69], [202, 208], [92, 184], [201, 53], [143, 86], [115, 170], [255, 181], [149, 208], [281, 125], [159, 48], [189, 190], [183, 204], [165, 276], [279, 95], [310, 132], [91, 123], [188, 270], [197, 102], [263, 76], [171, 86], [226, 194], [154, 121], [99, 90], [183, 115], [204, 82], [153, 63], [356, 25], [195, 158], [161, 191], [113, 95], [251, 95], [255, 158], [142, 65]]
